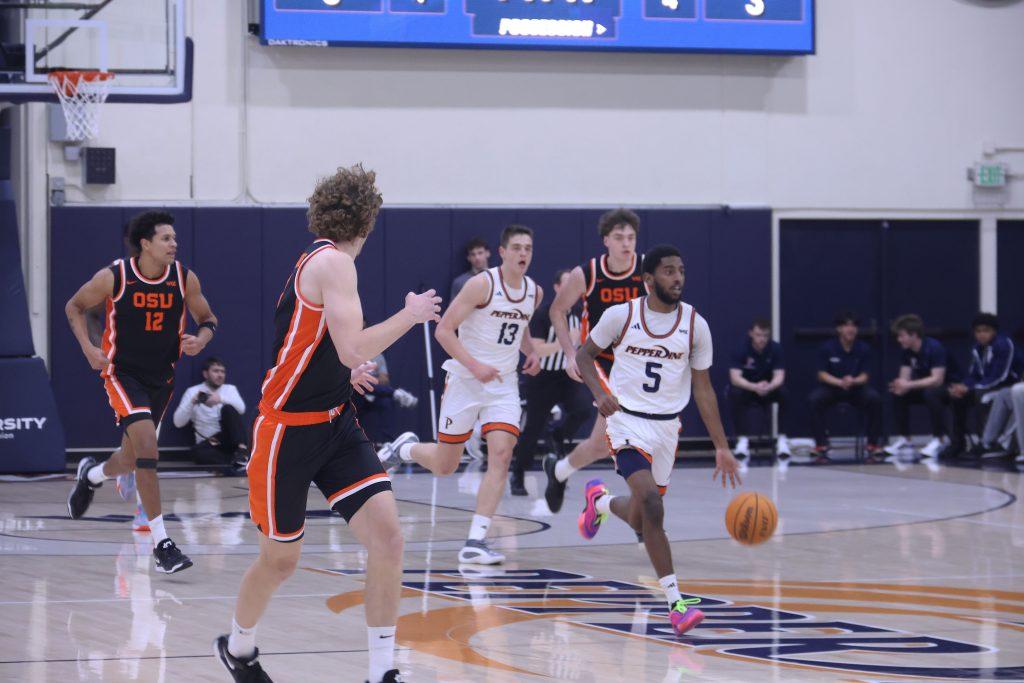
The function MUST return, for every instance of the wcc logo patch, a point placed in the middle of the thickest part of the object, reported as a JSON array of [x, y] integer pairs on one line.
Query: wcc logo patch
[[845, 631]]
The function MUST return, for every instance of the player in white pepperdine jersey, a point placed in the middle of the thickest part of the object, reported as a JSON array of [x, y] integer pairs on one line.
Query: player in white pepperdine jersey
[[492, 315], [600, 283], [660, 346]]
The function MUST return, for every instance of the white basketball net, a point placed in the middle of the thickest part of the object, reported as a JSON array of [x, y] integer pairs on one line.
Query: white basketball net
[[81, 93]]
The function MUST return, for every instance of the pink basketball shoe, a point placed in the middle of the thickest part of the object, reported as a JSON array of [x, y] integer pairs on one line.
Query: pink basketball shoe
[[684, 616], [590, 519]]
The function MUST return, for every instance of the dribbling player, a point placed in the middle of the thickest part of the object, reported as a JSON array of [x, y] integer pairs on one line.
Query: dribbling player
[[146, 297], [661, 345], [492, 318], [307, 430], [601, 283]]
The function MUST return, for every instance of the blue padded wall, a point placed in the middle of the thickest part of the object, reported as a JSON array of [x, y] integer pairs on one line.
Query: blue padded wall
[[1011, 278], [243, 256], [16, 332]]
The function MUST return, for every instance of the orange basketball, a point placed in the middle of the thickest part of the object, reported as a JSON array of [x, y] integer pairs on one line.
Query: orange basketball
[[751, 518]]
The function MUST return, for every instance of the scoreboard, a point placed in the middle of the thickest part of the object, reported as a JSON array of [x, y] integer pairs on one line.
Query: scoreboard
[[759, 26]]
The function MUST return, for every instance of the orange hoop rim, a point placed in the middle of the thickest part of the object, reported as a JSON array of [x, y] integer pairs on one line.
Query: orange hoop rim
[[68, 80]]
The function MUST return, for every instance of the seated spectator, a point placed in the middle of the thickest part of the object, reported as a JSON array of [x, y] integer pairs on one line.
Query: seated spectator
[[478, 255], [924, 371], [376, 406], [756, 376], [215, 410], [995, 365], [843, 375]]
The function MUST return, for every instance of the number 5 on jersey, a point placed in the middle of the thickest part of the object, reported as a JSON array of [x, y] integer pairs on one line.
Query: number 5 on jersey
[[651, 371]]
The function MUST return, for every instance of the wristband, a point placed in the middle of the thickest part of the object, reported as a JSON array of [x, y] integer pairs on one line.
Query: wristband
[[210, 326]]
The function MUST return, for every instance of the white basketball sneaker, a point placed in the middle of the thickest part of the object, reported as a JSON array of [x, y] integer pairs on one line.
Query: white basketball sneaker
[[389, 453], [478, 552], [896, 445], [933, 448]]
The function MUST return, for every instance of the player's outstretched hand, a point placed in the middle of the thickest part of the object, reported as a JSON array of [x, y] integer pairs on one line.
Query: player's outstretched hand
[[726, 465], [531, 366], [607, 404], [191, 345], [485, 373], [572, 369], [97, 359], [363, 379], [425, 307]]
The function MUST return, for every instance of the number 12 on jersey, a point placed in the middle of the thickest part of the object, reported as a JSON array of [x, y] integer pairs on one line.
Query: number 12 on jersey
[[512, 330]]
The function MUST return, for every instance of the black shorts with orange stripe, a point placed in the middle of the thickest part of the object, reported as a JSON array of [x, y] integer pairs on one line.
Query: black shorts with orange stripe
[[336, 456], [134, 398]]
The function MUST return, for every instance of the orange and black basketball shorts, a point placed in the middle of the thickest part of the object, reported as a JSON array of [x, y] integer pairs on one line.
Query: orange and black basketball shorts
[[336, 456], [134, 398]]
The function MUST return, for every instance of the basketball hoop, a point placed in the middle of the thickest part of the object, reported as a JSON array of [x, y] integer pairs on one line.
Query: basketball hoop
[[81, 93]]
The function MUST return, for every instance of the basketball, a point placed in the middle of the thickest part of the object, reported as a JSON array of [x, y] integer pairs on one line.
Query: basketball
[[751, 518]]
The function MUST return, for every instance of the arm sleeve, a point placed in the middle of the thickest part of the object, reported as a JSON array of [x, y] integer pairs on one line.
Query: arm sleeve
[[183, 413], [702, 355], [609, 327], [232, 397], [736, 360], [939, 357]]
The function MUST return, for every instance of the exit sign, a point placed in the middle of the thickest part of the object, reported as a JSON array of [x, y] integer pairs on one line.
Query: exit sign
[[990, 175]]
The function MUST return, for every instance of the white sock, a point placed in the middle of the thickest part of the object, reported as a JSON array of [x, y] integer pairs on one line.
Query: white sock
[[382, 651], [671, 588], [95, 474], [405, 452], [563, 469], [156, 529], [478, 530], [242, 641], [604, 504]]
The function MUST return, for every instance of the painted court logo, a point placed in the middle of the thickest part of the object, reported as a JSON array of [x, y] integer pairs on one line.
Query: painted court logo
[[868, 630]]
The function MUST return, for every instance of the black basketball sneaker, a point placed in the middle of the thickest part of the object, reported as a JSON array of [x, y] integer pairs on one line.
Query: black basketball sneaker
[[554, 492], [242, 670], [393, 676], [81, 495], [169, 559]]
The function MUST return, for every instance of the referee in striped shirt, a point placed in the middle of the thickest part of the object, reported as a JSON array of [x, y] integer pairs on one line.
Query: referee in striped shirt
[[550, 387]]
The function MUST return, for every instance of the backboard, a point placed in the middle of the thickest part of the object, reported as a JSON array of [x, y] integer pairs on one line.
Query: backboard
[[142, 42]]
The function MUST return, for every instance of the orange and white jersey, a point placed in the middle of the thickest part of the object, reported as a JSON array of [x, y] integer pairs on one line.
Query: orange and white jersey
[[493, 332], [654, 353]]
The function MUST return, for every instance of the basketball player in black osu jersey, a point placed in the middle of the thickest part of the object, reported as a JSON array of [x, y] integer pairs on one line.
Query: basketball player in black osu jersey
[[145, 297], [307, 431], [613, 278]]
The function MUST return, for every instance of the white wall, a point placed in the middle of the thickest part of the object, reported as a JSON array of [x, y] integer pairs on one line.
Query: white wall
[[891, 111], [885, 119]]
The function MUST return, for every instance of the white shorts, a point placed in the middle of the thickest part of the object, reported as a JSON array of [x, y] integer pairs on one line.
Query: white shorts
[[466, 399], [656, 440]]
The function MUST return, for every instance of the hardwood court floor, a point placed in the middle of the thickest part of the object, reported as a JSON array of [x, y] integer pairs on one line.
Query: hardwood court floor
[[874, 575]]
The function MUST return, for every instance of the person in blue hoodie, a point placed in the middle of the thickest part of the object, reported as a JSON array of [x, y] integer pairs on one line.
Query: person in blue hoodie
[[995, 364]]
